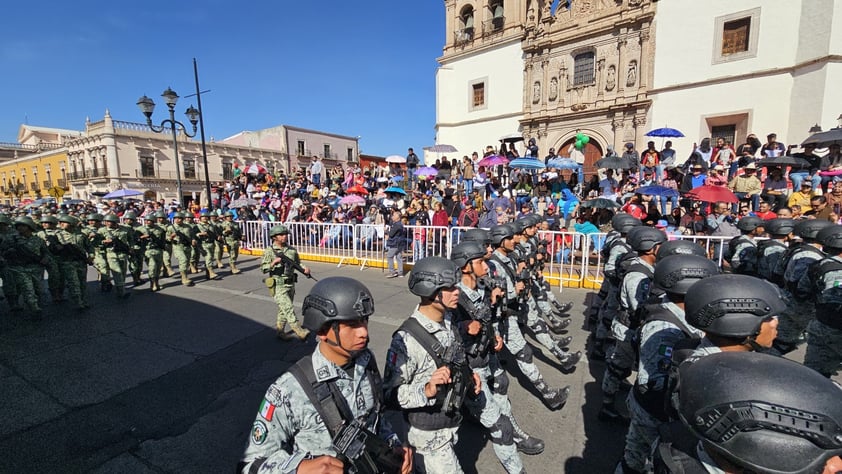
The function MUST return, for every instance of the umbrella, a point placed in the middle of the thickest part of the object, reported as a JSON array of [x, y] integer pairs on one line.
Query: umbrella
[[441, 148], [357, 189], [563, 164], [493, 160], [792, 160], [711, 193], [397, 179], [657, 190], [613, 162], [527, 163], [512, 138], [256, 169], [600, 203], [241, 202], [823, 139], [395, 159], [352, 199], [426, 171], [395, 189], [665, 132], [121, 193]]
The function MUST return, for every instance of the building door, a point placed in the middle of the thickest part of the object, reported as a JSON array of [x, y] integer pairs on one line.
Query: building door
[[592, 152]]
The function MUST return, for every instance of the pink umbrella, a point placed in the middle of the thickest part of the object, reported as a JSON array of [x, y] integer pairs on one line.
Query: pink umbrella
[[426, 171], [352, 199], [493, 160]]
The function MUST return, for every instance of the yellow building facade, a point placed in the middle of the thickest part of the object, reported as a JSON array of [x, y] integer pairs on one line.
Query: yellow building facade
[[37, 176]]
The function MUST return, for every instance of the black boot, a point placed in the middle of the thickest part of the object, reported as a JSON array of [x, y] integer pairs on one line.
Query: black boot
[[563, 342], [610, 414], [563, 308], [553, 398], [525, 443], [556, 324], [568, 359]]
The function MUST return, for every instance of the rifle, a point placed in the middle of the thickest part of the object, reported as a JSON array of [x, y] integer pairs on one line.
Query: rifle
[[461, 380], [291, 263], [363, 452], [117, 244], [20, 254]]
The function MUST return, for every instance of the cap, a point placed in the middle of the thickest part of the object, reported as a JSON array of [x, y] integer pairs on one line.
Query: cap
[[662, 224], [719, 168], [750, 166]]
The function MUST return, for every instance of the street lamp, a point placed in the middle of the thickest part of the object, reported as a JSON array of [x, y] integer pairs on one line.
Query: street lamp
[[147, 106]]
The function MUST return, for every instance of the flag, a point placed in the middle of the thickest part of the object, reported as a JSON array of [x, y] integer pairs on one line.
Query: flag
[[267, 410]]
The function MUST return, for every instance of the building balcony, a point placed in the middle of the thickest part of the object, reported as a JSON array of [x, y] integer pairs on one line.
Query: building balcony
[[62, 183], [493, 26], [463, 37]]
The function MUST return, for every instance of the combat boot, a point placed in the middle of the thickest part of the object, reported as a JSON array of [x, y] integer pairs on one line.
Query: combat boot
[[193, 268], [609, 413], [209, 273], [282, 334], [299, 331], [168, 271], [553, 398], [121, 293], [185, 280], [556, 324], [219, 265], [563, 342], [568, 360], [154, 285], [563, 308], [234, 269], [525, 443], [137, 279]]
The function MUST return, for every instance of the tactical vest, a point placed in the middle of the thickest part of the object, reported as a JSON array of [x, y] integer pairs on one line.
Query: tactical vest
[[829, 314], [476, 347], [765, 266]]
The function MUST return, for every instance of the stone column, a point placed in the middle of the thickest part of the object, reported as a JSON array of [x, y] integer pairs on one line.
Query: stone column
[[545, 84], [621, 62], [527, 86], [643, 63], [600, 80], [109, 141], [639, 123]]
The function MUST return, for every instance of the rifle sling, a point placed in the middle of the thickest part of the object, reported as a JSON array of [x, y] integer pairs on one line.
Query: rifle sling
[[425, 339]]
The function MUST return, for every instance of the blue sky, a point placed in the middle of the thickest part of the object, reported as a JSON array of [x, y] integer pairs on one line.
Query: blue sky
[[362, 68]]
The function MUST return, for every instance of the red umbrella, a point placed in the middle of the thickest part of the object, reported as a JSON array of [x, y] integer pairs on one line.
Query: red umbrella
[[711, 193], [357, 189]]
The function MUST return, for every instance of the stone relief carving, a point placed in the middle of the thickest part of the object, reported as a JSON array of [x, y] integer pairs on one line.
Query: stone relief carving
[[634, 3], [611, 78], [553, 89], [631, 76], [536, 92], [583, 7]]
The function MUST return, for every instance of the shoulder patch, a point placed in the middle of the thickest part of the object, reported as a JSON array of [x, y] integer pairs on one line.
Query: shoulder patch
[[259, 433]]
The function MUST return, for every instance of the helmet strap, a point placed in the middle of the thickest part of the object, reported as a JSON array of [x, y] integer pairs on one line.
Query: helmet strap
[[351, 354]]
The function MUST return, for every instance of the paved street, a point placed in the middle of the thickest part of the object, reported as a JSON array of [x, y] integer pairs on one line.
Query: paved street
[[171, 382]]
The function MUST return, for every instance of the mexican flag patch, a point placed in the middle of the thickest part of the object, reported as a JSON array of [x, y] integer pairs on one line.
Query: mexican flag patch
[[267, 410]]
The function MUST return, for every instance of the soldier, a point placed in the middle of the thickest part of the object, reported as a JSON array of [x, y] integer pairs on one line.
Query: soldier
[[771, 250], [182, 238], [155, 237], [207, 237], [27, 255], [232, 234], [55, 278], [100, 262], [426, 359], [635, 271], [741, 256], [279, 261], [297, 424], [792, 265], [118, 244], [823, 281], [661, 332], [502, 239], [481, 337], [196, 251], [166, 252], [7, 234], [220, 242], [137, 251], [74, 257]]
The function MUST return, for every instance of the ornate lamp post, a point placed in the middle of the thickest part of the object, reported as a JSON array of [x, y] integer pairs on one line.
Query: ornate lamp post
[[147, 106]]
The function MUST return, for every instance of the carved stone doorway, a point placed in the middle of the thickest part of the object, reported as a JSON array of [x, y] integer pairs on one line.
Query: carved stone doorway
[[592, 151]]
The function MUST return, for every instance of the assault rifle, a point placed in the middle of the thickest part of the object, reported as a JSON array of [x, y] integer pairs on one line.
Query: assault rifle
[[291, 263], [363, 452], [461, 380]]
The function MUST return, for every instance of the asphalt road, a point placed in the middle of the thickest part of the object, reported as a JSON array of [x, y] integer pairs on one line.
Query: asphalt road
[[171, 382]]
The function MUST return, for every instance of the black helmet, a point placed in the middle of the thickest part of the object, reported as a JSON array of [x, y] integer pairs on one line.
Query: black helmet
[[749, 223], [623, 223], [677, 273], [477, 235], [807, 229], [501, 232], [336, 299], [830, 237], [642, 238], [779, 226], [737, 405], [431, 274], [680, 247], [518, 225], [732, 305], [464, 252]]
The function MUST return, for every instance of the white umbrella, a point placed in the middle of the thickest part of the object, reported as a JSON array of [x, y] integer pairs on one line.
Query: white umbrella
[[395, 159]]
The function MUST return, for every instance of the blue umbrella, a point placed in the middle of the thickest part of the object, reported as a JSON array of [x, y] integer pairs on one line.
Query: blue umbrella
[[657, 190], [122, 193], [563, 164], [527, 163], [665, 132], [395, 189], [397, 179]]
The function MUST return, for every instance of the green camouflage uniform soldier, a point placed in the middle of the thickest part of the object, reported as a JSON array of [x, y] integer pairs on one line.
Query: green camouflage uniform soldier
[[100, 262], [207, 236], [155, 237], [282, 278], [232, 234], [182, 238], [219, 245], [166, 252], [73, 260], [137, 252], [118, 244], [7, 234], [55, 278], [28, 255], [196, 252]]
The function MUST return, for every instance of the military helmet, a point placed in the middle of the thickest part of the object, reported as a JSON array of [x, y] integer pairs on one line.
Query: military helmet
[[643, 238], [749, 223], [501, 232], [335, 299], [4, 219], [623, 223], [432, 274], [732, 305], [129, 215], [779, 226], [679, 247], [228, 214], [279, 229], [760, 412], [111, 218], [807, 229], [27, 221], [464, 252], [677, 273], [477, 235], [205, 214], [68, 219], [95, 216], [518, 225], [830, 237], [178, 215], [159, 215], [49, 219]]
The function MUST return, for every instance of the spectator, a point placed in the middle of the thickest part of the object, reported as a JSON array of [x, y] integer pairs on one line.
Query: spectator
[[775, 188], [609, 186], [717, 176], [808, 171], [412, 163], [725, 155], [523, 189], [819, 210], [705, 151], [834, 197], [832, 161], [802, 196], [316, 170], [649, 161], [747, 186], [635, 207], [467, 178], [765, 211], [666, 158], [632, 157], [772, 147], [694, 159], [550, 155], [585, 226], [694, 179], [568, 206], [749, 147], [672, 180], [395, 246]]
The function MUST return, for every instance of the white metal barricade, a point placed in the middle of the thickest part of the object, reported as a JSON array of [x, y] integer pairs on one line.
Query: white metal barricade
[[369, 244], [255, 234], [332, 240], [427, 241]]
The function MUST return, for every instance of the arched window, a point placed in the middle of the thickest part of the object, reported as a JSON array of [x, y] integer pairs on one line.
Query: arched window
[[497, 18], [583, 68], [466, 20]]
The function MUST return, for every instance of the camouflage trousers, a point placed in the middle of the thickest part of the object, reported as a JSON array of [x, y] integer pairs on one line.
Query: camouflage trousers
[[101, 265], [824, 348], [620, 362], [118, 265], [218, 251], [183, 254], [209, 249], [233, 251], [517, 345], [642, 433], [10, 290], [793, 321], [28, 281], [154, 263], [608, 311], [538, 326], [283, 295], [434, 453], [195, 255], [75, 278], [135, 260], [55, 277], [166, 256]]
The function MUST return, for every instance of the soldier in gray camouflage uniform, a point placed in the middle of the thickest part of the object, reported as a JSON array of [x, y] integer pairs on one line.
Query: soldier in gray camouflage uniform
[[771, 250], [742, 249], [824, 282], [416, 380], [290, 434]]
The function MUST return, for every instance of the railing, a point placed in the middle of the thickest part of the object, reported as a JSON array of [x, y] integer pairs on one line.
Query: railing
[[76, 175], [463, 36], [494, 25], [62, 183]]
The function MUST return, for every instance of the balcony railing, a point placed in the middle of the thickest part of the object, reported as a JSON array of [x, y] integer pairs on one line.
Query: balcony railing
[[463, 36], [62, 183], [494, 25]]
